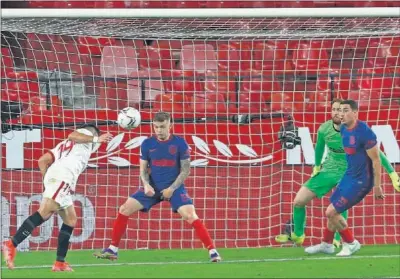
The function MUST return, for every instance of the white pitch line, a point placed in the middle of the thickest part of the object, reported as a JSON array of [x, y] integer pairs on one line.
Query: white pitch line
[[310, 258]]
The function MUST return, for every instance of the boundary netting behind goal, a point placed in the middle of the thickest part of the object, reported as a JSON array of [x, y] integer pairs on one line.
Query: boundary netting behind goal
[[231, 83]]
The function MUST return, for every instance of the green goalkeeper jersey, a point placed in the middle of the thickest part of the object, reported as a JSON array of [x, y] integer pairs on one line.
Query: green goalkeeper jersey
[[336, 156]]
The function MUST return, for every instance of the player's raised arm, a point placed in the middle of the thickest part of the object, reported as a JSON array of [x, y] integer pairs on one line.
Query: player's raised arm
[[319, 152], [373, 154], [389, 169], [89, 134], [45, 161]]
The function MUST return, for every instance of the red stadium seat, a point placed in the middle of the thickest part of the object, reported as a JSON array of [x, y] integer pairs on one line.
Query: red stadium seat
[[367, 99], [25, 85], [271, 55], [198, 57], [39, 51], [94, 46], [385, 53], [260, 81], [156, 58], [153, 86], [39, 104], [7, 64], [310, 57], [287, 101], [220, 82], [113, 95], [184, 82], [342, 82], [380, 80], [319, 101], [172, 45], [234, 57], [118, 61], [254, 100], [171, 102], [208, 103]]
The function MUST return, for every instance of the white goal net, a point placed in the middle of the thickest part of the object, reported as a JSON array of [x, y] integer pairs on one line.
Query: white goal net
[[230, 83]]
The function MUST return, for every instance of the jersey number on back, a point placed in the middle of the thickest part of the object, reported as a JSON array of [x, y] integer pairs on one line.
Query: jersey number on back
[[66, 148]]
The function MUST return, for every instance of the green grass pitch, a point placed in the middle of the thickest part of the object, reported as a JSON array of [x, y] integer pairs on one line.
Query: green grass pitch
[[380, 261]]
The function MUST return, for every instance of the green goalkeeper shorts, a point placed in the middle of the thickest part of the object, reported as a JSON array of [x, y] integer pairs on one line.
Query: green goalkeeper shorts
[[324, 181]]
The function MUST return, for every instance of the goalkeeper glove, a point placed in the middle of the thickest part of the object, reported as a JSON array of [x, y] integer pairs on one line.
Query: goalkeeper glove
[[316, 170], [395, 180]]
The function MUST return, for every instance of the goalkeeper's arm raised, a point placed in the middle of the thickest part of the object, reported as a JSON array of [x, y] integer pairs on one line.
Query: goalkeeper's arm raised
[[319, 152], [389, 169]]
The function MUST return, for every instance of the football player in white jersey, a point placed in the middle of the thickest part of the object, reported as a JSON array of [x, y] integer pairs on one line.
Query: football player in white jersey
[[60, 168]]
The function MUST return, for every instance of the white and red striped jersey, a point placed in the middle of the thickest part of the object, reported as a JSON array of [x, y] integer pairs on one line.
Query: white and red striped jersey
[[70, 160]]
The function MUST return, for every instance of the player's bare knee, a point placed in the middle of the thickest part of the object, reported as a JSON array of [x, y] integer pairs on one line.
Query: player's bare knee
[[299, 202], [47, 209], [124, 209], [331, 213], [71, 221], [190, 218], [129, 207]]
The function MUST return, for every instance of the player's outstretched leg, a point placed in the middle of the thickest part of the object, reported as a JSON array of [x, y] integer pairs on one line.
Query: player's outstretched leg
[[188, 213], [326, 245], [9, 246], [119, 228], [129, 207], [303, 197], [69, 217], [337, 239], [350, 244]]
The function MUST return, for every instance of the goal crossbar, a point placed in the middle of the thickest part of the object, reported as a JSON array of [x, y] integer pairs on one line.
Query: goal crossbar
[[203, 13]]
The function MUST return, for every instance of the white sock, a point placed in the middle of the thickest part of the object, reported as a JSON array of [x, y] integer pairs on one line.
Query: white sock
[[113, 248]]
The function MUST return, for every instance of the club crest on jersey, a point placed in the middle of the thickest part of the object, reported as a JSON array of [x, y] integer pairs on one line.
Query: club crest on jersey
[[173, 149], [352, 140]]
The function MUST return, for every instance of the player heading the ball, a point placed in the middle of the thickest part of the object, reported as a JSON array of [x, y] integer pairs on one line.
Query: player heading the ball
[[60, 168], [362, 174], [167, 156]]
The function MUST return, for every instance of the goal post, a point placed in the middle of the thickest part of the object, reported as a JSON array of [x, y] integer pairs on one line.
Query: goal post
[[231, 78]]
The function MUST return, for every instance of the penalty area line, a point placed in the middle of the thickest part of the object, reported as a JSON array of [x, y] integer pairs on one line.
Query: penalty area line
[[309, 258]]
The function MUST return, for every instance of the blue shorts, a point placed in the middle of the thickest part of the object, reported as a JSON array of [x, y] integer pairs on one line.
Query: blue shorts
[[349, 192], [179, 198]]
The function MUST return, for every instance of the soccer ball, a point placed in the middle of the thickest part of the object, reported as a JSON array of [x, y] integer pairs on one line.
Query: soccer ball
[[129, 118]]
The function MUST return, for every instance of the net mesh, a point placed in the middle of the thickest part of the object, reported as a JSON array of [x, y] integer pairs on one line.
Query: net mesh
[[206, 72]]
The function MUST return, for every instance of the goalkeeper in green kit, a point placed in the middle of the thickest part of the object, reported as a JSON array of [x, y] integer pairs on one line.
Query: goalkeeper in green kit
[[326, 176]]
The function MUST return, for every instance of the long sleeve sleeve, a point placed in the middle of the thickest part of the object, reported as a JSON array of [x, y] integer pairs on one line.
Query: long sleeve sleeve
[[385, 163], [319, 148]]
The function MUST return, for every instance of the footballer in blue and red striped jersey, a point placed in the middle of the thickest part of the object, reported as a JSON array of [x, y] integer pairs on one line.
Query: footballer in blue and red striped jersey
[[164, 165], [362, 175]]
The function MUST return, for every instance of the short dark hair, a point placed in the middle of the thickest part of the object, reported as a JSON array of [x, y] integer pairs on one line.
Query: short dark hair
[[162, 116], [336, 100], [353, 104], [91, 127]]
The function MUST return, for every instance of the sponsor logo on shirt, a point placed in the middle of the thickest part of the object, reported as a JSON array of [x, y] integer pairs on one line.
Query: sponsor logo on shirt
[[163, 163]]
